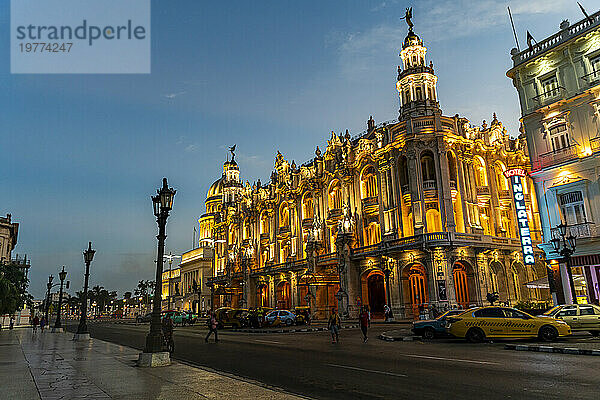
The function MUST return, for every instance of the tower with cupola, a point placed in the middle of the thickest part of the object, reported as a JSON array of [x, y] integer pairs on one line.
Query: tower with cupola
[[416, 80]]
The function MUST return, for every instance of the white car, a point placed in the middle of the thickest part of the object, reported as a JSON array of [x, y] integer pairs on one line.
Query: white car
[[580, 317]]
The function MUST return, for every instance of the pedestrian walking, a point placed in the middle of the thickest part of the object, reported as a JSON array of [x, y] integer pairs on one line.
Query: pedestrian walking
[[12, 322], [35, 323], [43, 323], [334, 325], [386, 312], [212, 327], [365, 323]]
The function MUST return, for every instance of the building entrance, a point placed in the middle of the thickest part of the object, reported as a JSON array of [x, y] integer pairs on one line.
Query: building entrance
[[376, 290]]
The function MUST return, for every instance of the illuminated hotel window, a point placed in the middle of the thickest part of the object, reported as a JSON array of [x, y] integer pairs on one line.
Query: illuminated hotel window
[[559, 136], [550, 87], [572, 208]]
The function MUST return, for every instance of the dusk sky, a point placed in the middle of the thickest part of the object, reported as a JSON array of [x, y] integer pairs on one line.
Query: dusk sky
[[83, 153]]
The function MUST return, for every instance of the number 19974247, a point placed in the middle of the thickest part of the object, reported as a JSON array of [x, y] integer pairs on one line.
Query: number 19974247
[[45, 47]]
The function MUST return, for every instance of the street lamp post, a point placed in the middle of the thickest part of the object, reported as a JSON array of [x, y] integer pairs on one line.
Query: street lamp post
[[565, 248], [388, 269], [154, 354], [62, 276], [82, 330], [49, 286]]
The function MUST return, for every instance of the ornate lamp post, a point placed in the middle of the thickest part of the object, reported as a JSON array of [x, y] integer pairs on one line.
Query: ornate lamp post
[[82, 329], [565, 248], [154, 354], [49, 286], [57, 325], [246, 260], [388, 270]]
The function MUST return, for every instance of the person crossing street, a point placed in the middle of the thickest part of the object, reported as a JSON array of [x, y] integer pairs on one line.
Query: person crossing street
[[365, 323], [333, 324], [212, 326]]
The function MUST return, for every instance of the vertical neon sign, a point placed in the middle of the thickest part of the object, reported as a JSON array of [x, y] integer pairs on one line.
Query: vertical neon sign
[[516, 185]]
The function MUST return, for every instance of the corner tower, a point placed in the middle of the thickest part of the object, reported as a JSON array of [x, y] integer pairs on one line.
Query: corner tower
[[416, 80]]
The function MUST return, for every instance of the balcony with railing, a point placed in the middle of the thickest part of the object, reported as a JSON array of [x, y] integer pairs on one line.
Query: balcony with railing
[[504, 194], [334, 213], [583, 230], [552, 158], [430, 188], [584, 25], [370, 204], [483, 194], [307, 222], [550, 96]]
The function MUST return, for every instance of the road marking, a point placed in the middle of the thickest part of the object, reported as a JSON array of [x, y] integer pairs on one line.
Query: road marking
[[267, 341], [449, 359], [367, 370]]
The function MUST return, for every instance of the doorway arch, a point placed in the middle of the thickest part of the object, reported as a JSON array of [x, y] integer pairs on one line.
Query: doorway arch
[[283, 295], [374, 292], [415, 288], [465, 286]]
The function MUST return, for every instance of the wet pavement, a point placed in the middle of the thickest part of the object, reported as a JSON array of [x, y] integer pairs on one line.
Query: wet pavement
[[49, 366]]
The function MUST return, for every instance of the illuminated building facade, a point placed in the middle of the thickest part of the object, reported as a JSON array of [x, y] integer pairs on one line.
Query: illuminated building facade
[[414, 213], [558, 83]]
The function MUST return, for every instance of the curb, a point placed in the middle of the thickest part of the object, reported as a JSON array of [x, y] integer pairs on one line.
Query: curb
[[287, 331], [550, 349], [387, 338]]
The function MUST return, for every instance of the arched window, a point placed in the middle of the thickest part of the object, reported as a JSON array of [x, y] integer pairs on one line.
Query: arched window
[[480, 175], [452, 166], [434, 220], [428, 166], [419, 93], [403, 173], [264, 223], [284, 215], [501, 181], [247, 232], [307, 206], [335, 196], [516, 284], [368, 183], [372, 234]]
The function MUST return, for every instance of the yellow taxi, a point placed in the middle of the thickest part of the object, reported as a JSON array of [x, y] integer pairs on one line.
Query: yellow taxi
[[480, 323], [580, 317]]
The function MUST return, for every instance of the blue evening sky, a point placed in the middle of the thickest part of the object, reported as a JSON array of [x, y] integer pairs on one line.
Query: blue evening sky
[[82, 154]]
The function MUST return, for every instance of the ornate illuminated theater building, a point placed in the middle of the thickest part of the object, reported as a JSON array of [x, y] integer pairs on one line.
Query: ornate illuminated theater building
[[413, 213]]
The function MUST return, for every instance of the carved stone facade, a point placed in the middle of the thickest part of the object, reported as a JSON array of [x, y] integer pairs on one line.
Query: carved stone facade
[[414, 213]]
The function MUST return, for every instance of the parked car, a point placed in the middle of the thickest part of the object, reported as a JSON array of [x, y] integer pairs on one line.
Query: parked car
[[230, 317], [480, 323], [277, 317], [179, 317], [302, 312], [144, 318], [580, 317], [431, 328]]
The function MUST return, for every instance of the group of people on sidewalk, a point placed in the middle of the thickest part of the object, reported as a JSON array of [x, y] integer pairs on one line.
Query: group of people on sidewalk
[[334, 324]]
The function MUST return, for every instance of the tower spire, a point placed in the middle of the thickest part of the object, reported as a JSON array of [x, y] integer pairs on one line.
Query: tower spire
[[417, 82]]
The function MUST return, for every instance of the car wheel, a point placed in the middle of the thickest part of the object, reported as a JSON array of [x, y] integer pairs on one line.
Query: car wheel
[[595, 333], [428, 333], [289, 322], [548, 333], [475, 335]]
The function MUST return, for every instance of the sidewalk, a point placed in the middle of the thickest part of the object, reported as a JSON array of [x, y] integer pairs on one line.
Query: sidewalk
[[51, 366]]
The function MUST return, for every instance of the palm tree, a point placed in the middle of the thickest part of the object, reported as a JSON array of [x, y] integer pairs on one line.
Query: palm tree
[[73, 302], [96, 296]]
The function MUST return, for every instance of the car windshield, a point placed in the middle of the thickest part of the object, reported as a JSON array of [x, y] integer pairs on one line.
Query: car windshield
[[552, 311]]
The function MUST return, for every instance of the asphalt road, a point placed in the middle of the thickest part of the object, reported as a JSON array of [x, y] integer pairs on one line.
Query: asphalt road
[[308, 364]]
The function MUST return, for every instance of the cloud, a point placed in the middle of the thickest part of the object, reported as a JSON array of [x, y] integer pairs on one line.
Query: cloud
[[378, 7], [171, 96], [438, 21], [190, 148]]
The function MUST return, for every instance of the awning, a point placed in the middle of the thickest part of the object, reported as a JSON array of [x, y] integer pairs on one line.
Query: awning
[[541, 283]]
